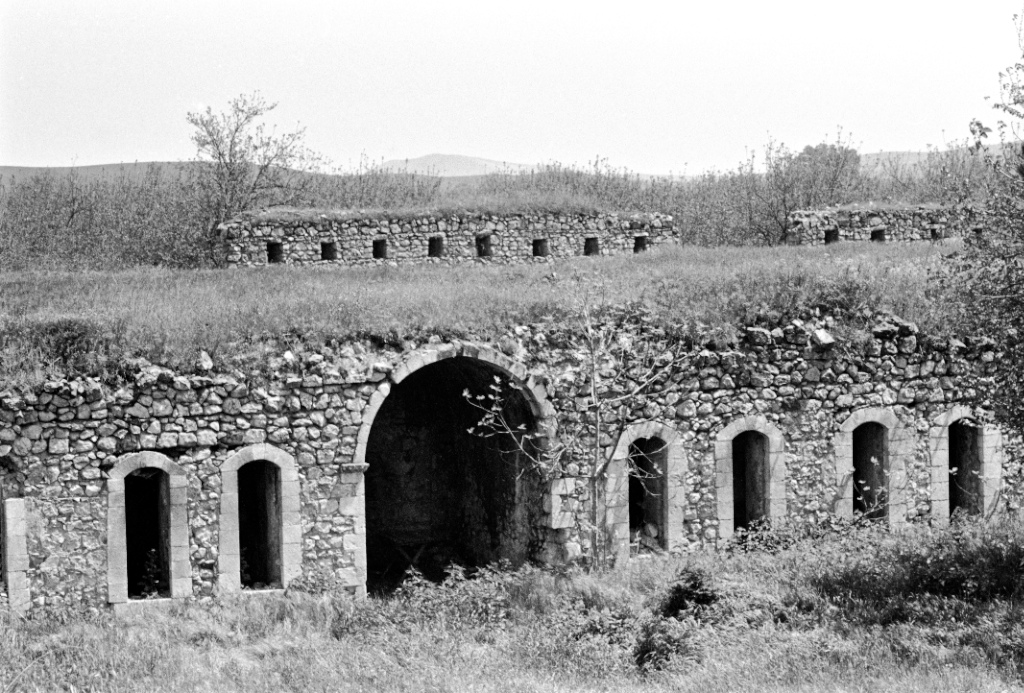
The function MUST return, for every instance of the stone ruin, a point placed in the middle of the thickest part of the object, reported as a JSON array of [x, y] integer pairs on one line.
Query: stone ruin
[[883, 224], [349, 465], [352, 238]]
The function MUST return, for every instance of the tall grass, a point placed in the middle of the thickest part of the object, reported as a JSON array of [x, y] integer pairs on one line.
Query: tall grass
[[707, 622], [79, 321]]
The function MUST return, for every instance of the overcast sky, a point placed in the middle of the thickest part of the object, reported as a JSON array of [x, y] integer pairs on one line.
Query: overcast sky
[[655, 87]]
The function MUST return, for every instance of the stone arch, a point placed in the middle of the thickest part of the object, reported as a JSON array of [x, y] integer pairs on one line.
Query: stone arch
[[534, 391], [989, 457], [774, 468], [898, 444], [617, 487], [285, 538], [416, 422], [179, 567]]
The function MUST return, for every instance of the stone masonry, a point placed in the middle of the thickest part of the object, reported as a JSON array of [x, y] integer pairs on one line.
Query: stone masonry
[[348, 238], [925, 223], [799, 397]]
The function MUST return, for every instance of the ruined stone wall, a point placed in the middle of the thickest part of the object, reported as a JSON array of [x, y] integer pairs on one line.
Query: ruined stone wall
[[925, 223], [349, 239], [61, 444]]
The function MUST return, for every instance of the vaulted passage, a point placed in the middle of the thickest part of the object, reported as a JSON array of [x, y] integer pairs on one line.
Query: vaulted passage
[[437, 494], [749, 478], [148, 532], [647, 490], [870, 468], [259, 524], [964, 468]]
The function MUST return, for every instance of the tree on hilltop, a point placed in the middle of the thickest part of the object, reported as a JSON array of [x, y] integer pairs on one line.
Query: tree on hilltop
[[244, 164]]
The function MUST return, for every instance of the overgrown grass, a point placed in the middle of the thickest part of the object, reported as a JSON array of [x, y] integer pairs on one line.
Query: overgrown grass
[[708, 622], [54, 322]]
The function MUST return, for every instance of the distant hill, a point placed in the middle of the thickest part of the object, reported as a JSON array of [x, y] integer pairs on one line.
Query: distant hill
[[449, 165], [133, 170]]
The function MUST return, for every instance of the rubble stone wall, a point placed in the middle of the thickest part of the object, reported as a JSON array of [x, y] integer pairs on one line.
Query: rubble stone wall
[[60, 443], [926, 223], [349, 239]]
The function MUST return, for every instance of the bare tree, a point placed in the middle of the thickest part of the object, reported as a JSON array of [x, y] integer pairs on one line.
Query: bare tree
[[245, 164], [619, 365]]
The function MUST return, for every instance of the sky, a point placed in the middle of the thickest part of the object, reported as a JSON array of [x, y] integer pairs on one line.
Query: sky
[[657, 88]]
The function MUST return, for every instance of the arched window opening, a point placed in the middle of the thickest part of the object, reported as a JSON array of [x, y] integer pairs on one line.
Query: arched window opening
[[259, 525], [647, 493], [749, 478], [965, 482], [437, 494], [870, 470], [147, 503]]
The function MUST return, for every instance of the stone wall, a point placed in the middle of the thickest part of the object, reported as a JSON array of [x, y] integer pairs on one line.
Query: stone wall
[[67, 447], [926, 223], [349, 239]]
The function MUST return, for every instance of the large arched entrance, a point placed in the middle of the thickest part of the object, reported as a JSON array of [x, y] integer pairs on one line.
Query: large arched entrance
[[438, 493]]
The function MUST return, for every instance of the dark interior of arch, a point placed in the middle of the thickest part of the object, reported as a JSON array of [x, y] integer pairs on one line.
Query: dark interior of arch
[[964, 468], [147, 501], [870, 466], [259, 524], [749, 478], [647, 467], [437, 494]]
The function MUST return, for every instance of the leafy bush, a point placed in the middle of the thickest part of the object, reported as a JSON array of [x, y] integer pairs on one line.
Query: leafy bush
[[972, 560]]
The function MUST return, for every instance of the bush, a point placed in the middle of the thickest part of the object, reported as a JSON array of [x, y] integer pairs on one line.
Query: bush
[[973, 560]]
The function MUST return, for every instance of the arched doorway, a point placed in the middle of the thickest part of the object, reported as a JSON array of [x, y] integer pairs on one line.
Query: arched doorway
[[437, 493], [965, 482], [259, 525], [648, 464], [870, 470], [749, 478], [147, 504]]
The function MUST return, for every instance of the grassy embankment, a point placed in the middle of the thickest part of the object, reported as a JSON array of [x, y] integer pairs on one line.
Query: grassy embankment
[[861, 610], [53, 322]]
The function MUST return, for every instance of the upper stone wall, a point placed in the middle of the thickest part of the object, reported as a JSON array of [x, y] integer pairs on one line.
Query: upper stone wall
[[817, 227], [350, 239]]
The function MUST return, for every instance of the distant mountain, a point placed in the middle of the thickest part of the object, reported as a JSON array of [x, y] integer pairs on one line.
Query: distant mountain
[[449, 165]]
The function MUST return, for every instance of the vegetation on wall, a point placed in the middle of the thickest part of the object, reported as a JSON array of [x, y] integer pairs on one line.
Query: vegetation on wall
[[70, 322]]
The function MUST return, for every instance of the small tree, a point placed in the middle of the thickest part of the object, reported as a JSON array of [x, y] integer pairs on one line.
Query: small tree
[[987, 278], [621, 359], [244, 164]]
